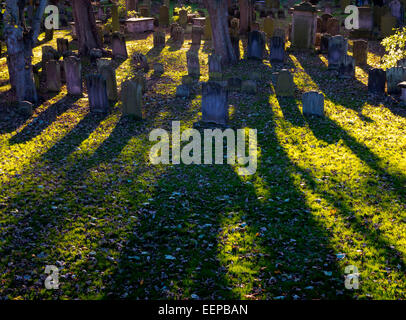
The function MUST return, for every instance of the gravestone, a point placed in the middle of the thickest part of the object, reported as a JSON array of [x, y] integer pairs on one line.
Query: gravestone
[[256, 45], [182, 18], [285, 87], [140, 62], [178, 36], [397, 10], [394, 76], [131, 97], [193, 65], [48, 53], [109, 75], [347, 67], [73, 74], [324, 18], [402, 86], [366, 18], [188, 28], [269, 26], [62, 45], [163, 16], [277, 49], [115, 23], [234, 84], [215, 67], [376, 81], [325, 39], [103, 62], [313, 103], [97, 92], [360, 52], [159, 39], [304, 26], [197, 35], [53, 76], [388, 23], [183, 91], [214, 103], [337, 50], [333, 26], [119, 47]]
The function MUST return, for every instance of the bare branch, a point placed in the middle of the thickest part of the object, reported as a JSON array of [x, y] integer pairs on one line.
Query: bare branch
[[36, 22]]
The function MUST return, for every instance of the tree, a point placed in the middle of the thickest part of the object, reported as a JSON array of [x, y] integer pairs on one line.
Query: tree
[[85, 25], [246, 13], [21, 39], [218, 11]]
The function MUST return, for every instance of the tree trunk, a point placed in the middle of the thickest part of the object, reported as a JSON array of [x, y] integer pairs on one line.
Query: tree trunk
[[85, 25], [246, 12], [20, 40], [218, 12]]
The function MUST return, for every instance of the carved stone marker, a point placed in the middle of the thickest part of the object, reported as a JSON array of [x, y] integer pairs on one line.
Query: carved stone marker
[[337, 50], [193, 65], [53, 76], [313, 103], [277, 49], [118, 46], [73, 73], [97, 91], [214, 103], [285, 87], [256, 45], [360, 52], [376, 81], [109, 75], [131, 96]]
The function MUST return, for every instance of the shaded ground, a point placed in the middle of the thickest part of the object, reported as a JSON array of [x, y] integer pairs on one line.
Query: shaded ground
[[77, 191]]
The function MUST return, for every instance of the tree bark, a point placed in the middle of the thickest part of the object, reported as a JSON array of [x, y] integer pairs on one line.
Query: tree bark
[[85, 25], [20, 40], [246, 12], [218, 11]]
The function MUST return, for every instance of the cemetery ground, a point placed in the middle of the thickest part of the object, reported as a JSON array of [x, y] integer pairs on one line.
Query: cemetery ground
[[78, 192]]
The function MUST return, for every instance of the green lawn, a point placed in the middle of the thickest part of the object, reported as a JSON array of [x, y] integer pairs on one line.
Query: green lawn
[[77, 191]]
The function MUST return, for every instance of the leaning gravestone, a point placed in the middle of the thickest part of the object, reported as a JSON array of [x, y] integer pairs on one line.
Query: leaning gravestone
[[97, 92], [394, 76], [131, 96], [214, 103], [193, 64], [337, 50], [197, 35], [313, 103], [285, 87], [277, 49], [73, 73], [376, 81], [360, 52], [118, 46], [256, 45], [53, 75], [109, 75]]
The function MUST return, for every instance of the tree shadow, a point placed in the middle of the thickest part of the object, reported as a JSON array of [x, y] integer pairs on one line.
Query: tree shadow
[[44, 119]]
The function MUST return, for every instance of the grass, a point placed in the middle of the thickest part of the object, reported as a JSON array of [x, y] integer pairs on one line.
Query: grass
[[77, 191]]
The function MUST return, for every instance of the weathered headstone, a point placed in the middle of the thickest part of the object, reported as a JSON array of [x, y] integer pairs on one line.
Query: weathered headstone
[[337, 50], [366, 18], [97, 92], [214, 103], [360, 52], [131, 97], [197, 35], [304, 26], [115, 23], [193, 65], [397, 10], [178, 35], [285, 87], [158, 68], [163, 16], [109, 75], [333, 26], [324, 18], [119, 47], [62, 45], [394, 76], [347, 67], [325, 39], [376, 81], [215, 67], [73, 74], [313, 103], [159, 39], [235, 43], [277, 49], [53, 76], [256, 45], [183, 91], [269, 26]]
